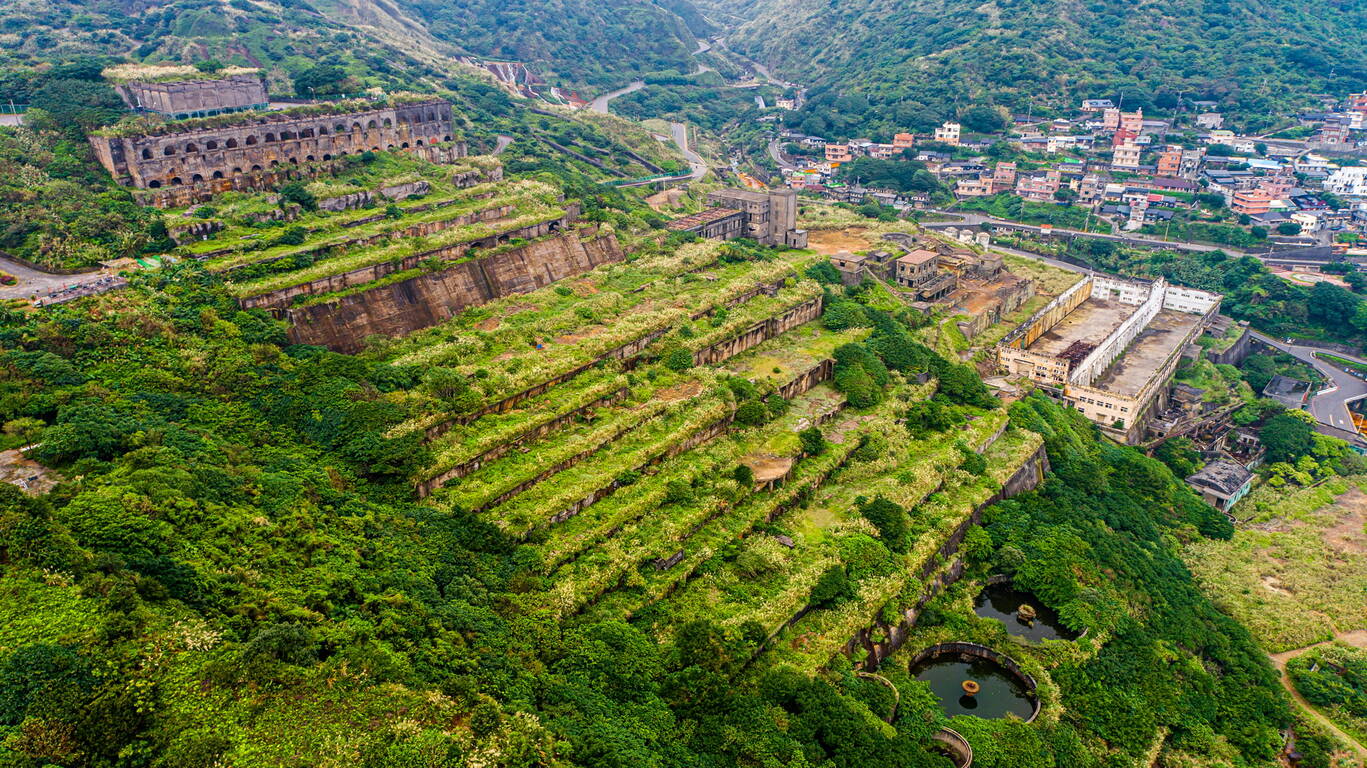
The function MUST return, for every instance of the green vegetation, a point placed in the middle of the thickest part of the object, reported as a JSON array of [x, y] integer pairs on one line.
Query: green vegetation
[[1334, 679], [1009, 206], [891, 74], [1295, 570]]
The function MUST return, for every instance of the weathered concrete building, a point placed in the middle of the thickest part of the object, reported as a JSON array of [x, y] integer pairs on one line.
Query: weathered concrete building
[[267, 142], [715, 223], [196, 98], [1110, 347], [770, 217]]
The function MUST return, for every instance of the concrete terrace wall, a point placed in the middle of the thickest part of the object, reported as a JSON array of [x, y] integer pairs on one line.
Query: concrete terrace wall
[[759, 333], [281, 298], [433, 297], [1049, 315], [1030, 474], [627, 351], [426, 487]]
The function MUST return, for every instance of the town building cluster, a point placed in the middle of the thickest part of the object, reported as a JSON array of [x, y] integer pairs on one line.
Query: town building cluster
[[1131, 169]]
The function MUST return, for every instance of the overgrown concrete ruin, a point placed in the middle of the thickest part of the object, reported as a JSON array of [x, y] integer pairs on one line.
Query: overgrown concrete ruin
[[1110, 347], [262, 150]]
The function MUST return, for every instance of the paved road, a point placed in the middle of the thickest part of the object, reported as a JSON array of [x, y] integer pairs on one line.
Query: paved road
[[695, 161], [1357, 639], [600, 104], [35, 283], [1331, 405], [11, 120], [776, 154]]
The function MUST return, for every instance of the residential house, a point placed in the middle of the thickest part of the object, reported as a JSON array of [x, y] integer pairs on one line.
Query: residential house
[[1039, 188], [904, 140], [1251, 202], [788, 104], [948, 134], [1220, 137], [838, 153], [973, 186], [1169, 161], [1222, 483], [1126, 156], [1003, 177], [1097, 105], [1348, 182], [1110, 118], [1210, 121]]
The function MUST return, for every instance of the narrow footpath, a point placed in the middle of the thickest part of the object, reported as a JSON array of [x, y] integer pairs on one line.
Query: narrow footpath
[[1357, 639]]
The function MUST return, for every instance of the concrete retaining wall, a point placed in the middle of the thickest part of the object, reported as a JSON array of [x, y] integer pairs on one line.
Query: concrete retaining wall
[[759, 333], [976, 651], [1030, 474], [431, 298]]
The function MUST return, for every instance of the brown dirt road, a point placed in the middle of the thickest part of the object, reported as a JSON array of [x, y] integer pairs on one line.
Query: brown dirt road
[[1357, 639]]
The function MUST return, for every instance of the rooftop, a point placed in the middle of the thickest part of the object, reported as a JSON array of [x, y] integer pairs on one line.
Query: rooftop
[[1224, 478], [918, 257], [1089, 324], [743, 194], [701, 218], [1147, 353]]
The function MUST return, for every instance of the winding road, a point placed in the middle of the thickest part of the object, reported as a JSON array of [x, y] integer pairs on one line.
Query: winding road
[[695, 161], [34, 282], [1330, 406], [600, 104]]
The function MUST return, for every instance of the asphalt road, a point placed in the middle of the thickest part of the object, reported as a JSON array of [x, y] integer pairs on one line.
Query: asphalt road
[[776, 154], [695, 161], [35, 283], [600, 104], [1331, 405]]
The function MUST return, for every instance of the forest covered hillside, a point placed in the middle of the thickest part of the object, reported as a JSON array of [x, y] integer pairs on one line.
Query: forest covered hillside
[[377, 43], [913, 63]]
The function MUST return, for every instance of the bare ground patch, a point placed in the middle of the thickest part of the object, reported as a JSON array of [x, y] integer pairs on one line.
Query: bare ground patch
[[829, 242], [679, 391], [768, 467]]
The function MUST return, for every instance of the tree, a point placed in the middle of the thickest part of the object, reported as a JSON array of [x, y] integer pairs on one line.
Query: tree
[[984, 119], [743, 475], [813, 441], [823, 272], [297, 192], [1286, 437], [1332, 306], [321, 79], [25, 429], [831, 589], [678, 359], [889, 518], [1288, 228]]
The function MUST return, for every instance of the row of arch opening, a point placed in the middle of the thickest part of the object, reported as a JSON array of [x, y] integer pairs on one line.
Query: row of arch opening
[[270, 138], [176, 181]]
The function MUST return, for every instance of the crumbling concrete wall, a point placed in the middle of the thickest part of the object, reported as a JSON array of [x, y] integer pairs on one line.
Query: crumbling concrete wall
[[431, 298]]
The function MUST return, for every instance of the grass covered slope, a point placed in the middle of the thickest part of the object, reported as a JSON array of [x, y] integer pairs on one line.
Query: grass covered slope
[[913, 63]]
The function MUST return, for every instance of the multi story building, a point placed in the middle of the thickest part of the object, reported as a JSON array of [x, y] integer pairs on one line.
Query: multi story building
[[1210, 121], [838, 153], [973, 186], [1003, 177], [1132, 121], [1040, 187], [948, 134], [1110, 347], [1348, 182], [1251, 202], [904, 140], [1126, 156], [1169, 161], [770, 217]]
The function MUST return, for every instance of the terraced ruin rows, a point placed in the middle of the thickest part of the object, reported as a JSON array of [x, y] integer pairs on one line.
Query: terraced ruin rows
[[597, 407], [618, 471]]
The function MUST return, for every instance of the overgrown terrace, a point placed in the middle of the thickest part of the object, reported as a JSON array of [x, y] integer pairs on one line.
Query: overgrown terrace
[[512, 347]]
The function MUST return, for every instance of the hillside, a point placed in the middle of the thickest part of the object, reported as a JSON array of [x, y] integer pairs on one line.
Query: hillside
[[376, 42], [909, 64]]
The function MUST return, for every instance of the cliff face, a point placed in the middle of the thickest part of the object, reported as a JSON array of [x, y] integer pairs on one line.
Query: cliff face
[[430, 298]]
